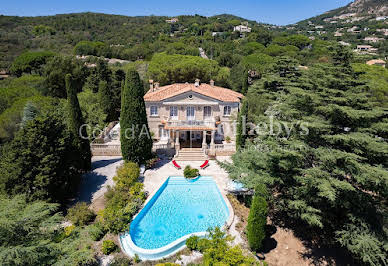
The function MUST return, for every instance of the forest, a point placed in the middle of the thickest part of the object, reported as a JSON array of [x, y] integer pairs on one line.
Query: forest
[[331, 181]]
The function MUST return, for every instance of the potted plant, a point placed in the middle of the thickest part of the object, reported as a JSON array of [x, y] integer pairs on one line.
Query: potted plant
[[227, 139], [190, 173]]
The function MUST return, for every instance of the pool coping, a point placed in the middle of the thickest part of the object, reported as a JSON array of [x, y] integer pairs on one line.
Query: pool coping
[[177, 245]]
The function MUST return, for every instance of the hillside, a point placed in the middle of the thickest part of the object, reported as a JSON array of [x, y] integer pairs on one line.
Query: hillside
[[362, 22], [60, 33]]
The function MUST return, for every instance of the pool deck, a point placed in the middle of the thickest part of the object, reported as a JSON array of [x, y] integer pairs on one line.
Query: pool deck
[[154, 178]]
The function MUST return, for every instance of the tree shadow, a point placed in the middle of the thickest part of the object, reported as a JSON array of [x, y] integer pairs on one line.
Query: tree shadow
[[103, 163], [317, 248], [91, 182], [269, 242]]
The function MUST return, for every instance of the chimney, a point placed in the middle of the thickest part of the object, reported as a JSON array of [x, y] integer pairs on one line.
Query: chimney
[[197, 82], [151, 82], [156, 85], [212, 83]]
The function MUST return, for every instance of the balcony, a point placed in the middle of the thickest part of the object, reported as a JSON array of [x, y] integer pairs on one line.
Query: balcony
[[207, 124]]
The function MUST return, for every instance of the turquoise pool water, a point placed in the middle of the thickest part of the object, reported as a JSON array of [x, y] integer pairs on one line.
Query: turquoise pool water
[[179, 208]]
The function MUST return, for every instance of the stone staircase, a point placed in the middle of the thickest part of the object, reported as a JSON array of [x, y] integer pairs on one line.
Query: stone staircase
[[190, 154]]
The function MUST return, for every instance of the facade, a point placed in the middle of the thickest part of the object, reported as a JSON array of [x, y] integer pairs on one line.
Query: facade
[[242, 28], [187, 115]]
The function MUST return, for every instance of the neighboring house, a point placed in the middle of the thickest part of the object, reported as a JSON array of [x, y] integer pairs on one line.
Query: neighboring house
[[344, 43], [382, 18], [338, 34], [373, 39], [384, 31], [242, 28], [173, 20], [191, 115], [366, 49], [377, 62]]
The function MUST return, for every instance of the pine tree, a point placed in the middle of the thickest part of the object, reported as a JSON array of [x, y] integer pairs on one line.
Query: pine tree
[[75, 122], [136, 142], [242, 133]]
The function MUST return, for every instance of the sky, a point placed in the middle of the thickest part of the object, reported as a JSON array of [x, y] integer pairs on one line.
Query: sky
[[279, 12]]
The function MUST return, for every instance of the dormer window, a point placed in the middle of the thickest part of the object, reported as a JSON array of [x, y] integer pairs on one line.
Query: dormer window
[[227, 110], [154, 110]]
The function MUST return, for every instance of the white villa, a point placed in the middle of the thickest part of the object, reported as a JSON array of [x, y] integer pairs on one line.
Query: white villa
[[187, 115], [196, 115]]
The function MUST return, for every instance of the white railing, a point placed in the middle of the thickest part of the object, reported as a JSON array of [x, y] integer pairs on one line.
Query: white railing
[[191, 123]]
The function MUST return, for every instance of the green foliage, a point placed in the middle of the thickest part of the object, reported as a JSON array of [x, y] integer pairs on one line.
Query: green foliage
[[121, 261], [38, 161], [23, 240], [242, 132], [104, 99], [43, 30], [126, 175], [95, 232], [29, 113], [329, 171], [217, 249], [136, 142], [108, 247], [124, 200], [190, 173], [376, 77], [91, 48], [30, 62], [80, 214], [168, 69], [192, 242], [76, 122], [92, 112], [257, 221], [55, 71]]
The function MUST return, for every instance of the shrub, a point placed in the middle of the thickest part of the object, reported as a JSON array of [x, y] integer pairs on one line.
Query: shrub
[[121, 261], [190, 172], [136, 258], [192, 242], [126, 175], [167, 264], [80, 214], [257, 220], [108, 247], [95, 232], [68, 230]]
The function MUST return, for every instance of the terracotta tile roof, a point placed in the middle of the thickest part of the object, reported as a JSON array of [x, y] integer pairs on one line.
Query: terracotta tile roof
[[219, 93], [375, 61]]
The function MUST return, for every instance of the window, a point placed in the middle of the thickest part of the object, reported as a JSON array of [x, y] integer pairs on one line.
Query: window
[[227, 110], [154, 110], [190, 113], [174, 112], [207, 111]]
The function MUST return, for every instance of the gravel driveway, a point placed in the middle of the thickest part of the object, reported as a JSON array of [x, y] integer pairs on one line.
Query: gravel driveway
[[94, 183]]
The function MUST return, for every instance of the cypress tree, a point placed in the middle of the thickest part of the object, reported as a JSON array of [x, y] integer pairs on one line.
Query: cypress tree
[[241, 125], [257, 219], [104, 99], [136, 142], [75, 122]]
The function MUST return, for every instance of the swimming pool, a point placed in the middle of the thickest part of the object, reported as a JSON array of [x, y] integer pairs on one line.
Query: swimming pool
[[178, 209]]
